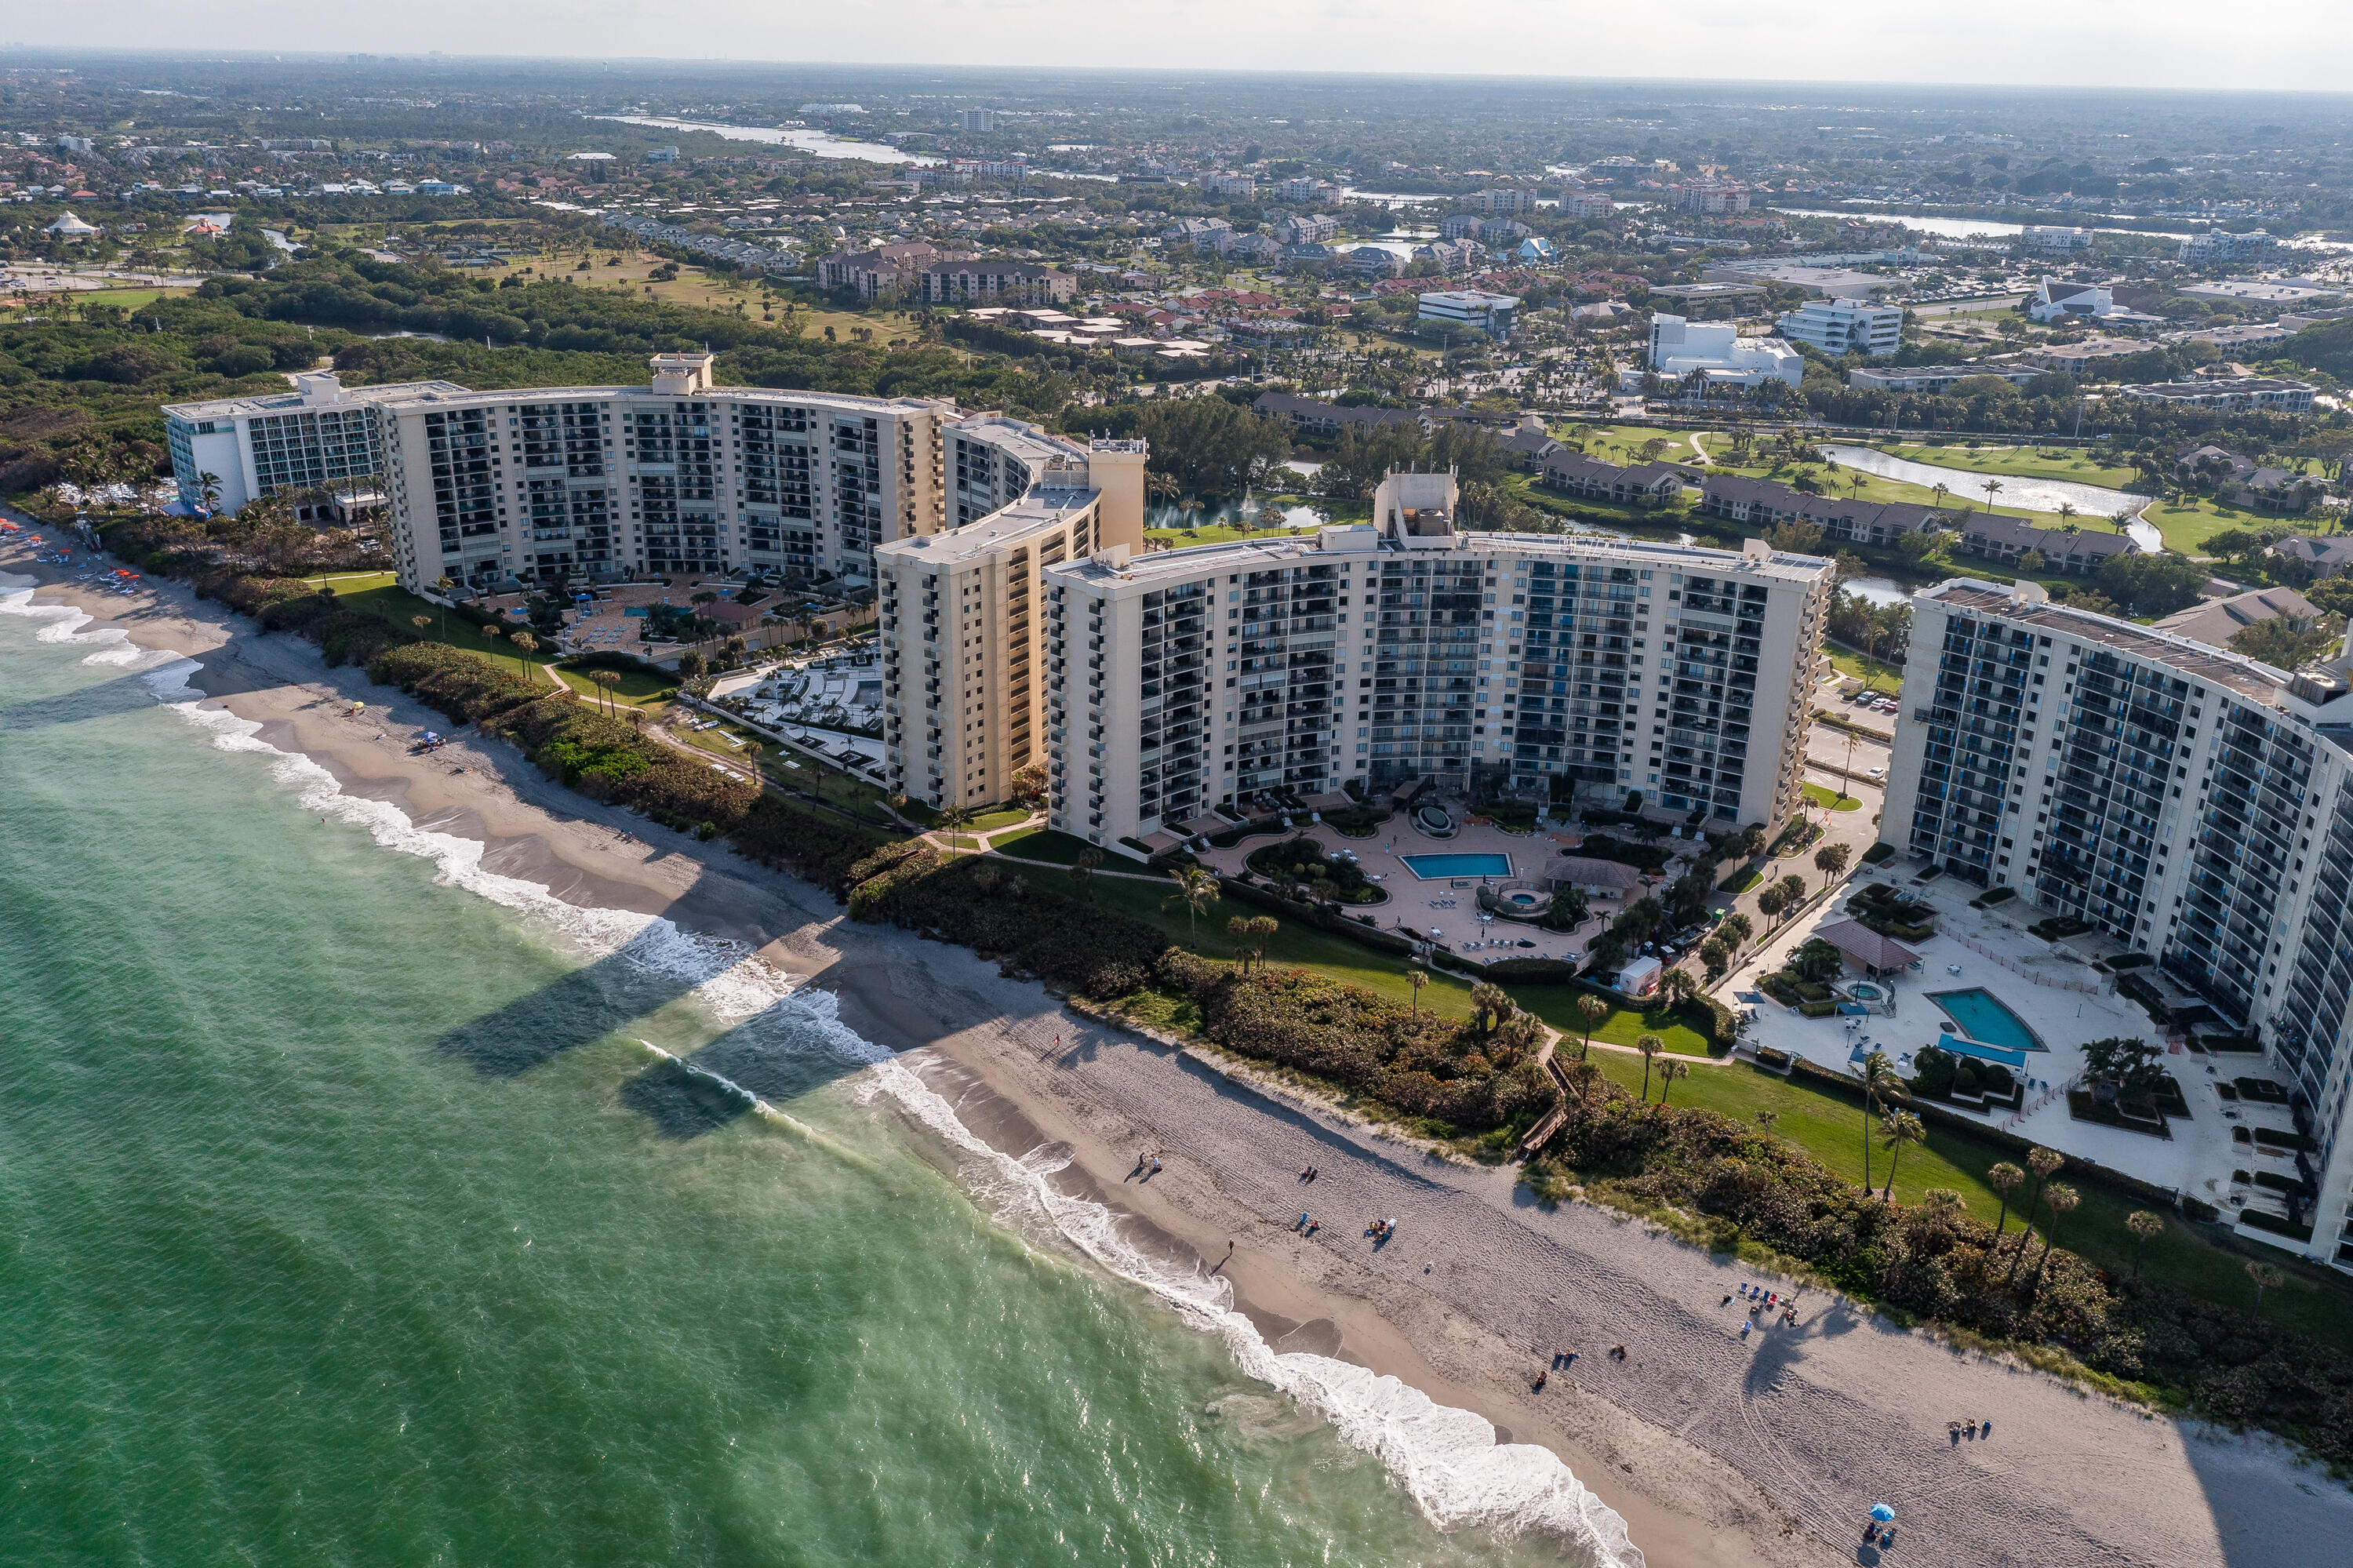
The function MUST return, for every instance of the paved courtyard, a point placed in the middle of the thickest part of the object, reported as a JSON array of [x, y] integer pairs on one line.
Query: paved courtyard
[[1445, 908], [2062, 1000]]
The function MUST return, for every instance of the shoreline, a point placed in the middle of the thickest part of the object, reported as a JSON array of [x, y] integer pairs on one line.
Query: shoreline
[[1652, 1438]]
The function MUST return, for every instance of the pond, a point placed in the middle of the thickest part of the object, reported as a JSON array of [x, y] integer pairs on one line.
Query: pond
[[1234, 514], [1877, 590], [2091, 501]]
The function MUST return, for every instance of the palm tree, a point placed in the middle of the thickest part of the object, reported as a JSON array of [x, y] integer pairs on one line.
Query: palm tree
[[2067, 524], [420, 622], [444, 586], [1083, 872], [2002, 1177], [1677, 987], [524, 642], [1196, 888], [492, 632], [604, 681], [1582, 1076], [1940, 491], [1992, 487], [1878, 1077], [1668, 1073], [954, 817], [1765, 1120], [1896, 1129], [2265, 1275], [208, 490], [1419, 979], [1831, 859], [1650, 1045], [2143, 1223], [2045, 1161], [2063, 1200], [1591, 1011], [1491, 1006]]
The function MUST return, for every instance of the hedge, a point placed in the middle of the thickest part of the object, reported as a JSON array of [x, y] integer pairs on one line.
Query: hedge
[[1030, 927]]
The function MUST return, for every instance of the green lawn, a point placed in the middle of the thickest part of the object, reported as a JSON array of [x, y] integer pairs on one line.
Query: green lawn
[[1830, 799], [1062, 849], [2021, 462], [630, 689], [1186, 539], [2188, 525], [1873, 488], [1863, 667], [1741, 881], [1556, 1005], [988, 821], [1830, 1127]]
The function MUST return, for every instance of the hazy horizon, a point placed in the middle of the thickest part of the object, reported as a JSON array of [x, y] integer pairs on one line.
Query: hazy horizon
[[2099, 44]]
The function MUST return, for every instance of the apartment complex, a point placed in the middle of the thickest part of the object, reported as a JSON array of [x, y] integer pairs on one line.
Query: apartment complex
[[971, 283], [963, 629], [1844, 326], [1406, 648], [319, 436], [2188, 802]]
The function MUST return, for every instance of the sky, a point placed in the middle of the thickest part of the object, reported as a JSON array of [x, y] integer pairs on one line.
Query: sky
[[2293, 45]]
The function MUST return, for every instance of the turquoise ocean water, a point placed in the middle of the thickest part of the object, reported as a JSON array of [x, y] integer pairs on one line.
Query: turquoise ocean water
[[355, 1208]]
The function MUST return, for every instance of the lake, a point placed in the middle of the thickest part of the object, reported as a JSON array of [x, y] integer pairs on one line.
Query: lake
[[2091, 501], [817, 143]]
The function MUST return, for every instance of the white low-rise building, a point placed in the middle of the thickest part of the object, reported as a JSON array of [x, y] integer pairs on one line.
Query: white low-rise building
[[1678, 347]]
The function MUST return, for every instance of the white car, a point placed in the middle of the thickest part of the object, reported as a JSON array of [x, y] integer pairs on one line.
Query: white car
[[1875, 773]]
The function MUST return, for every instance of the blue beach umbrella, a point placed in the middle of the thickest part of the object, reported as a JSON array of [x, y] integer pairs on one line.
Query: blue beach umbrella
[[1883, 1513]]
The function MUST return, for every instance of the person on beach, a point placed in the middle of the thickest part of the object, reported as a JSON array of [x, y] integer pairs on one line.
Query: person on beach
[[1743, 1329], [1538, 1386], [1302, 1221]]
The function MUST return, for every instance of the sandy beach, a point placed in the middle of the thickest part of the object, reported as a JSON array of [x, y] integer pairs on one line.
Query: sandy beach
[[1714, 1449]]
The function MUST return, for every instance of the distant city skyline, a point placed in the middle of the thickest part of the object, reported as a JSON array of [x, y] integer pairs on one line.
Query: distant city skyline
[[2094, 43]]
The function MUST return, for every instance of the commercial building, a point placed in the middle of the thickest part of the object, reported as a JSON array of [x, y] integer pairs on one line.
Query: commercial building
[[2220, 250], [1678, 347], [1846, 326], [2050, 239], [318, 436], [675, 476], [2190, 803], [963, 624], [1491, 313], [2053, 298], [1410, 649]]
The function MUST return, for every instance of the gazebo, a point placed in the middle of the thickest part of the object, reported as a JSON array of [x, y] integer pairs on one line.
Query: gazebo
[[1878, 955]]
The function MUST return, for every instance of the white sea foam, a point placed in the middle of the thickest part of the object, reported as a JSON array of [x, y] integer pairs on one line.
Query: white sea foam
[[1447, 1459]]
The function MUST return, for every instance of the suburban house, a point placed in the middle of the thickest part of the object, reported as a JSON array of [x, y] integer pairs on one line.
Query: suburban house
[[2327, 558], [2007, 540], [1644, 484], [2215, 621]]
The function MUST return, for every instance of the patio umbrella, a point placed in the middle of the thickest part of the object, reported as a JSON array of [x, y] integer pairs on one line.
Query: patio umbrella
[[1883, 1513]]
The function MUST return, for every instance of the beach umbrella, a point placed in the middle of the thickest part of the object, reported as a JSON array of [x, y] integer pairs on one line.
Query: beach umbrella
[[1883, 1513]]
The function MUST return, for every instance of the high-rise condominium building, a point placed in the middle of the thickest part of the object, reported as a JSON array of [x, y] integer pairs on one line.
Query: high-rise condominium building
[[2191, 802], [1409, 648], [320, 435], [963, 629]]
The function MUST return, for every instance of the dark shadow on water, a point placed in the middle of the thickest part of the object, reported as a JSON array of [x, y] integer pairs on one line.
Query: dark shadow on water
[[777, 1055], [123, 694], [584, 1005]]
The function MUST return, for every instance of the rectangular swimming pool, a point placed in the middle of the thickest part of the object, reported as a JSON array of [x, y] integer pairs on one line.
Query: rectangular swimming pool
[[1986, 1020], [1437, 867]]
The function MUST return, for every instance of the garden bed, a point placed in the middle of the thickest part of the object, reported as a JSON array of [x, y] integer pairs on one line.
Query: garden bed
[[2083, 1108]]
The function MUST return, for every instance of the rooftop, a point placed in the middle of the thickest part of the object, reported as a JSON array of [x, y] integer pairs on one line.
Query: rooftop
[[292, 401], [2259, 683], [1042, 506]]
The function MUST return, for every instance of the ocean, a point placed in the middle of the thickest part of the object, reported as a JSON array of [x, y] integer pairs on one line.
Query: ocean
[[360, 1206]]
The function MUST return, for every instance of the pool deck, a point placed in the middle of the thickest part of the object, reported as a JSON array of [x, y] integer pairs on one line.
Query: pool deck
[[1415, 904], [2200, 1156]]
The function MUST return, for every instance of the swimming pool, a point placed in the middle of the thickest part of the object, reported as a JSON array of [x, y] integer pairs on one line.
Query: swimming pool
[[1437, 868], [1986, 1020]]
